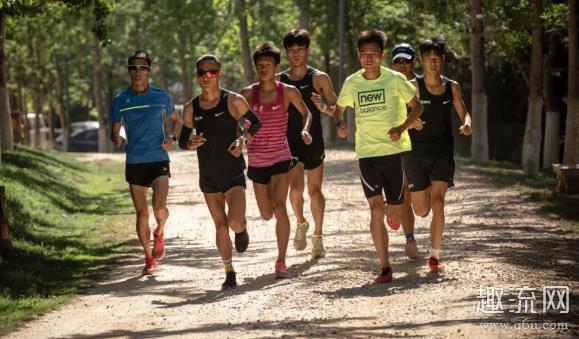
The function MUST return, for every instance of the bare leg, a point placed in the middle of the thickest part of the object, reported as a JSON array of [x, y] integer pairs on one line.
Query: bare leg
[[160, 192], [235, 198], [437, 195], [378, 229], [139, 195], [280, 187], [296, 195], [317, 199], [216, 204]]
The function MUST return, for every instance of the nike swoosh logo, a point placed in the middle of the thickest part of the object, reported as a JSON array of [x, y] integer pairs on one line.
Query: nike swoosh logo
[[218, 114], [275, 107], [304, 86], [446, 102]]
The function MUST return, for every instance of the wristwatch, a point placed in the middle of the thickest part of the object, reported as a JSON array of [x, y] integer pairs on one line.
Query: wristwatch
[[172, 137]]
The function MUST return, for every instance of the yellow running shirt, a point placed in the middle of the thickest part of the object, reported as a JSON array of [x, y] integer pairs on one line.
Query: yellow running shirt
[[380, 104]]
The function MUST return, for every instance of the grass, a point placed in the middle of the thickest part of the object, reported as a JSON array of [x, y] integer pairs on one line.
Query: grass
[[540, 189], [66, 223]]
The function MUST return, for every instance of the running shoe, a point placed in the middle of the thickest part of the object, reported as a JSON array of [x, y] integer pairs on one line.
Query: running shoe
[[281, 271], [385, 276], [435, 264], [300, 236], [150, 266], [411, 249], [318, 247], [230, 281], [392, 225], [241, 241], [158, 247]]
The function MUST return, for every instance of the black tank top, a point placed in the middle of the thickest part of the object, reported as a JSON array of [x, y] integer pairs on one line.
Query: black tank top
[[295, 123], [435, 138], [220, 129]]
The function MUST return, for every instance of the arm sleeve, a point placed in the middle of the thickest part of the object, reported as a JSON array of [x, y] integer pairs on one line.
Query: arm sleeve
[[406, 89], [184, 138], [345, 98], [255, 123], [114, 113]]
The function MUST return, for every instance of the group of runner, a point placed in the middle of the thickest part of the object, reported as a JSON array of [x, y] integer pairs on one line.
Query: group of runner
[[403, 141]]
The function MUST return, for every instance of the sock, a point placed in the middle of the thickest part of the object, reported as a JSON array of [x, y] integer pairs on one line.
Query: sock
[[385, 270], [409, 236], [435, 253], [228, 265]]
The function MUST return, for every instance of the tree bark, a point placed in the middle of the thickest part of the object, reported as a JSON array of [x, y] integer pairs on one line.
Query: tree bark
[[552, 115], [480, 145], [241, 10], [6, 138], [532, 139], [571, 152], [185, 73], [98, 96], [303, 14]]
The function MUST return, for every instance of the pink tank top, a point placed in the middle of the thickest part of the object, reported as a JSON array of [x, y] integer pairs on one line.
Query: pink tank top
[[269, 145]]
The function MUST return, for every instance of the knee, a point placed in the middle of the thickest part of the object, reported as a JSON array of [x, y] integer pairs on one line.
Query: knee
[[316, 193], [279, 210], [161, 213], [377, 212], [236, 223], [266, 215], [143, 213], [422, 211], [438, 204]]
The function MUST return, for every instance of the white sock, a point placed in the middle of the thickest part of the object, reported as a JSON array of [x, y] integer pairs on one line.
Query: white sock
[[435, 253]]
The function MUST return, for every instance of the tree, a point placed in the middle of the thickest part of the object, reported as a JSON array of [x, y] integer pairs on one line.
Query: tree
[[532, 138], [5, 120], [241, 9], [571, 153], [480, 144]]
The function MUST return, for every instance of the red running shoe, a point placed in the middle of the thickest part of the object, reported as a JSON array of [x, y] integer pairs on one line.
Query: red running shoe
[[392, 225], [158, 247], [150, 266], [385, 277], [435, 264]]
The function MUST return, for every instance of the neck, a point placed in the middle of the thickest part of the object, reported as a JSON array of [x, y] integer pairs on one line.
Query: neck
[[298, 71], [210, 94], [432, 78], [371, 74], [411, 76], [267, 85], [139, 88]]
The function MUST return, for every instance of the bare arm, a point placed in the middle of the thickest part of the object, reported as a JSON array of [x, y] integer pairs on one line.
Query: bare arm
[[340, 123], [323, 85], [465, 128], [416, 110], [186, 139], [115, 134]]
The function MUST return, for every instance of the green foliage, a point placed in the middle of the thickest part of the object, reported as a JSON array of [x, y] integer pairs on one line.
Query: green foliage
[[67, 221]]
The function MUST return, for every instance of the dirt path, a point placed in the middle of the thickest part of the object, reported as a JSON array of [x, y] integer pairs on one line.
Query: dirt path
[[493, 239]]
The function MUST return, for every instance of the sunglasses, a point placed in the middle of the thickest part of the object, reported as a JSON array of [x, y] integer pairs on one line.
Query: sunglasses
[[210, 73], [401, 61], [139, 68]]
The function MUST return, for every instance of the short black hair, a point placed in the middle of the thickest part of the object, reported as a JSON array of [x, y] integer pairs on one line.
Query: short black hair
[[300, 37], [436, 45], [372, 36], [267, 50], [139, 55], [208, 57]]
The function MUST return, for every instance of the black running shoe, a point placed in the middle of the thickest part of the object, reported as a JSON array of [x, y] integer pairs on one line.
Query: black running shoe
[[241, 241], [230, 281]]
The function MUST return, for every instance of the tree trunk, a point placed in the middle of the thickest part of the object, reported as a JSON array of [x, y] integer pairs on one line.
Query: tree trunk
[[571, 153], [552, 115], [98, 96], [6, 138], [241, 10], [185, 73], [532, 139], [51, 111], [479, 148], [37, 111], [303, 15]]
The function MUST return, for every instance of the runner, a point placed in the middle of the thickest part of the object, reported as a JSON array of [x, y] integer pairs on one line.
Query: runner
[[430, 165], [379, 97], [215, 114], [143, 109], [269, 154], [312, 84], [403, 61]]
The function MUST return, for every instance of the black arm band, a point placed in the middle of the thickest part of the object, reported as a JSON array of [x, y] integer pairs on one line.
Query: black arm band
[[184, 138], [255, 122]]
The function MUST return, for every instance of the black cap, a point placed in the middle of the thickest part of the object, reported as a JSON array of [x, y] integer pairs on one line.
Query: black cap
[[139, 55], [403, 51]]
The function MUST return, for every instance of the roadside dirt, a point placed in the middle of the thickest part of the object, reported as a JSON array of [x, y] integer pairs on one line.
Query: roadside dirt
[[494, 238]]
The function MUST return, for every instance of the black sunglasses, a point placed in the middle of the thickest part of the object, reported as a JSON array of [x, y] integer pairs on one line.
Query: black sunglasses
[[401, 61], [138, 68], [210, 73]]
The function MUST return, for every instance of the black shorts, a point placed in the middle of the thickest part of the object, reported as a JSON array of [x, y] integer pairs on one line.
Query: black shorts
[[262, 175], [144, 174], [383, 173], [311, 155], [211, 185], [421, 171]]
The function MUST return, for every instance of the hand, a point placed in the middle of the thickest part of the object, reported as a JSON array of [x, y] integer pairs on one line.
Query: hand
[[343, 130], [395, 133], [418, 124], [236, 146], [196, 141], [306, 137], [117, 141], [317, 100], [167, 143], [465, 129]]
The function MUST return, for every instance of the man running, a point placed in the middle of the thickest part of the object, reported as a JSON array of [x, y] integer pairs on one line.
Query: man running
[[379, 97], [215, 114], [268, 153], [430, 165], [403, 61], [143, 108], [313, 85]]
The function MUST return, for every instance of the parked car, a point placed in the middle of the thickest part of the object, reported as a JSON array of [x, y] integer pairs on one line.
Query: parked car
[[85, 141]]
